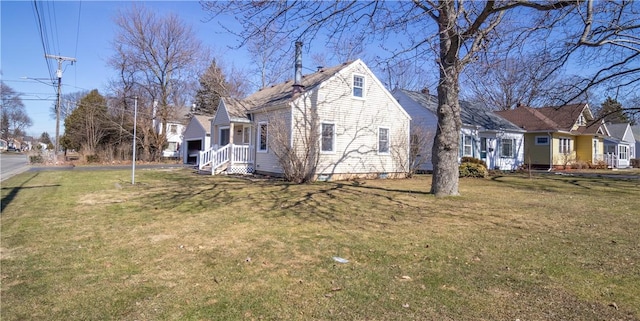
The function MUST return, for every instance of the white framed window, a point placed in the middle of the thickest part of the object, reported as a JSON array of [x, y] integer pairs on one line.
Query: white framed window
[[623, 152], [358, 86], [328, 138], [172, 146], [173, 129], [506, 148], [383, 140], [224, 136], [581, 120], [564, 145], [542, 140], [263, 133], [467, 145]]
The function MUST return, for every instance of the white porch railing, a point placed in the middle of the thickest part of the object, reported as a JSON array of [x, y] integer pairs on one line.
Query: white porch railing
[[241, 154], [610, 159]]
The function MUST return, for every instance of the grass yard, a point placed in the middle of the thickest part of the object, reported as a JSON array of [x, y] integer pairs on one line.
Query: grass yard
[[87, 245]]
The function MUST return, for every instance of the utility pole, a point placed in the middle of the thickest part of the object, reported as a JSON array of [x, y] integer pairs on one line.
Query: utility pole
[[60, 59]]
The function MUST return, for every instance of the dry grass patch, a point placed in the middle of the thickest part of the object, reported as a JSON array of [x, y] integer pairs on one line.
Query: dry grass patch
[[177, 246]]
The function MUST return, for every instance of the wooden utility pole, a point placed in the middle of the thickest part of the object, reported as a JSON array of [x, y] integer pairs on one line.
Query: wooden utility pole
[[60, 59]]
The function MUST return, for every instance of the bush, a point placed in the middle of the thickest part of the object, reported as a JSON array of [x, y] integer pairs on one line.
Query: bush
[[635, 162], [473, 160], [469, 169], [93, 159], [36, 159]]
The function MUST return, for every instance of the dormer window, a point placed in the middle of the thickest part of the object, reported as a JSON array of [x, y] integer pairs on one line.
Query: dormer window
[[581, 120], [358, 86]]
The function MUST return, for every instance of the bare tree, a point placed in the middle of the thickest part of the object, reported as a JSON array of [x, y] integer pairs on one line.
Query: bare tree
[[268, 52], [502, 83], [160, 55], [296, 150], [14, 118]]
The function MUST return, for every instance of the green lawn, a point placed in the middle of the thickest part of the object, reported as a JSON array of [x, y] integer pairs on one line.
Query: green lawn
[[84, 245]]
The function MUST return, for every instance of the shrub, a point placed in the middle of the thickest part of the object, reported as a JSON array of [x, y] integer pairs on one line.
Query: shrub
[[473, 160], [635, 162], [93, 159], [36, 159], [469, 169]]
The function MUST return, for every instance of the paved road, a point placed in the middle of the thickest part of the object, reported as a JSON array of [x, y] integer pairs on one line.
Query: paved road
[[12, 164]]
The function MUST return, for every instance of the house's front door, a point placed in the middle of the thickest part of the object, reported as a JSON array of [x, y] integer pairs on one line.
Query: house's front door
[[224, 136], [483, 150]]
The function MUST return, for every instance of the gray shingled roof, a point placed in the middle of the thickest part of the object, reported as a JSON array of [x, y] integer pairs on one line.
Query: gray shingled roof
[[636, 132], [471, 114], [617, 130]]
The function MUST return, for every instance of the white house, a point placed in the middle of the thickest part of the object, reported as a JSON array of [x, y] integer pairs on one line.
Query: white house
[[196, 138], [620, 143], [484, 134], [342, 119]]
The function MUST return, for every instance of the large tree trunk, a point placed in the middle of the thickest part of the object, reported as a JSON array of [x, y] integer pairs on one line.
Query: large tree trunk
[[447, 140]]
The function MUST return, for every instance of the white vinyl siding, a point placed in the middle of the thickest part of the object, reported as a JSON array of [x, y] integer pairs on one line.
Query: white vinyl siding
[[356, 124]]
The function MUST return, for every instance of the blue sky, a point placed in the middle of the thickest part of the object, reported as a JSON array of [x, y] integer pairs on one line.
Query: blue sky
[[83, 30]]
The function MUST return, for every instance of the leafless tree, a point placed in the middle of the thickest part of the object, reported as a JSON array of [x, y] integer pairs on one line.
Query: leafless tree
[[502, 83], [296, 150], [13, 116], [268, 51], [161, 55]]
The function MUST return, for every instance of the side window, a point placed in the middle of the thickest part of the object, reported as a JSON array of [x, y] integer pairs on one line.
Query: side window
[[262, 137], [328, 137], [542, 140], [358, 86], [467, 145], [507, 148], [383, 140]]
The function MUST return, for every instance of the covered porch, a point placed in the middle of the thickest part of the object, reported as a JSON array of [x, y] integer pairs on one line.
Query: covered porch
[[232, 150]]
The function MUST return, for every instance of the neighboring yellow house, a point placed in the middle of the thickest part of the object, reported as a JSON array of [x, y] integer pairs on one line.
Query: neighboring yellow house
[[559, 136]]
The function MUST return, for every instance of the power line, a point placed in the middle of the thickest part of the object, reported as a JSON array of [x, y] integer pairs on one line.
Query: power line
[[43, 38]]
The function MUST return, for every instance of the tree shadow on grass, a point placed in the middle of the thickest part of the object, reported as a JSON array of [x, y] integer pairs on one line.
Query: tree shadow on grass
[[13, 192], [558, 183]]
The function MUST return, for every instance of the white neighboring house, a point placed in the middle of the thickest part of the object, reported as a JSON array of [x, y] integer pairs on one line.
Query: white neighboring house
[[361, 130], [635, 129], [621, 143], [196, 138], [484, 134]]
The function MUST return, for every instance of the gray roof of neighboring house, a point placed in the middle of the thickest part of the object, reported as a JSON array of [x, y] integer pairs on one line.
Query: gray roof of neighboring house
[[471, 114], [204, 122], [636, 132], [617, 130]]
